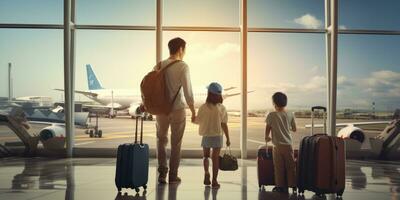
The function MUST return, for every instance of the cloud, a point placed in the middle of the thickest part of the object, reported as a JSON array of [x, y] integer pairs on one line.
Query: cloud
[[342, 27], [308, 21], [211, 52], [384, 83]]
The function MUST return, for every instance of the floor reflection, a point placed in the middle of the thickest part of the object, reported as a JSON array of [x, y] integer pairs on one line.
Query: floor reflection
[[362, 178]]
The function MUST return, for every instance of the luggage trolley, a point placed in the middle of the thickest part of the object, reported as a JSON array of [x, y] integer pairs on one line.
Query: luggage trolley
[[94, 131]]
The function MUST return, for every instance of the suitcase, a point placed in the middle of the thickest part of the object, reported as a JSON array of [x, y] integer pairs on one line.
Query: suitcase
[[132, 167], [265, 166], [321, 167]]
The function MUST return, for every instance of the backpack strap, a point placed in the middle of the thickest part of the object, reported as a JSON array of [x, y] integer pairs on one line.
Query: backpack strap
[[163, 69], [169, 65]]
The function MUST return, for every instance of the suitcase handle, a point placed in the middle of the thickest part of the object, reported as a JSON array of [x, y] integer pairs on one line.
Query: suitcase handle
[[313, 109], [141, 130], [318, 108]]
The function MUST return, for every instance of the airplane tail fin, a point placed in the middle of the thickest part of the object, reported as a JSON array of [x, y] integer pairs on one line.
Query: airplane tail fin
[[93, 82]]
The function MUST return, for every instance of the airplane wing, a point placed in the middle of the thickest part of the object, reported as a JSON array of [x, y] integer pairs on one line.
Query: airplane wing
[[235, 94], [349, 124], [229, 88], [88, 94]]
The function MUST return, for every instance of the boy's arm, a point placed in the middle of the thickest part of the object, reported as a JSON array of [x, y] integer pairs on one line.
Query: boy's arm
[[293, 124], [267, 132], [226, 132]]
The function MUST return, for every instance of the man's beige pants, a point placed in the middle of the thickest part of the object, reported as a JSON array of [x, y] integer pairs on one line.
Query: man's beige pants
[[284, 166], [177, 120]]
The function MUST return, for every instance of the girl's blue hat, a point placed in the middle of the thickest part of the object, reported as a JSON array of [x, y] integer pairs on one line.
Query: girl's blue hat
[[215, 88]]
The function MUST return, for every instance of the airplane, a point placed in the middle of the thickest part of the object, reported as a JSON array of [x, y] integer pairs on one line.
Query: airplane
[[125, 99]]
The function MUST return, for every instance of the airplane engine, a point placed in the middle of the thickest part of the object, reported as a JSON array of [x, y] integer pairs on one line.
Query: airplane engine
[[136, 111], [352, 132], [51, 132]]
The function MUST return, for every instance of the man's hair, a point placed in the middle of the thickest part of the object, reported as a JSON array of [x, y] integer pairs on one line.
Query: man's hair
[[214, 98], [175, 44], [279, 99]]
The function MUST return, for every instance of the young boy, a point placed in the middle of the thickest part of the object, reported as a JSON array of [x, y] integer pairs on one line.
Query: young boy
[[279, 123]]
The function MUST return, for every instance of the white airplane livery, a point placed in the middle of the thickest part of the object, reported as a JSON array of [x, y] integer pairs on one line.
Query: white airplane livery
[[125, 99]]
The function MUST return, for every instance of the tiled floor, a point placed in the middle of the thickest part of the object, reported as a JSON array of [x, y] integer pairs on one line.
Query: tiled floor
[[38, 178]]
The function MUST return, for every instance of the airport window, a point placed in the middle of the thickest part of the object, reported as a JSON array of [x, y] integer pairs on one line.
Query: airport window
[[290, 63], [307, 14], [201, 13], [28, 12], [121, 60], [369, 76], [375, 15], [211, 57], [117, 12], [36, 58]]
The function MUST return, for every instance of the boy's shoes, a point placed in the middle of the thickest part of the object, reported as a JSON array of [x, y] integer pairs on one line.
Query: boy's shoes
[[280, 190], [207, 179], [174, 180]]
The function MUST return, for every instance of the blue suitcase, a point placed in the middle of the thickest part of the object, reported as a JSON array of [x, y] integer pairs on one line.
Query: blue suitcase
[[132, 167]]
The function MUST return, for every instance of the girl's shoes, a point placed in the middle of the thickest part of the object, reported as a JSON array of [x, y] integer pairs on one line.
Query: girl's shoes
[[207, 179]]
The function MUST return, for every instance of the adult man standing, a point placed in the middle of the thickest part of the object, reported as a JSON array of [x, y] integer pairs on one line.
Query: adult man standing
[[177, 77]]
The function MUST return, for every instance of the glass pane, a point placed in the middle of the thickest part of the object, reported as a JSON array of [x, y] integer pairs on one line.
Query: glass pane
[[290, 63], [211, 57], [38, 11], [286, 14], [369, 77], [37, 69], [118, 61], [201, 13], [369, 14], [119, 12]]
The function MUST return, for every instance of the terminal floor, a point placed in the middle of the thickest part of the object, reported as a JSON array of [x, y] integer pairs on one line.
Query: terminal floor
[[93, 178]]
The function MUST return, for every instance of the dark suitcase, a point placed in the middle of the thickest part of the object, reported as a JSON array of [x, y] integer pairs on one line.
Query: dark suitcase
[[265, 166], [132, 167], [321, 163]]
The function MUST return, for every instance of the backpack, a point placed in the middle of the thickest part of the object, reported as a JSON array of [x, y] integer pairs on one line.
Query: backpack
[[154, 91]]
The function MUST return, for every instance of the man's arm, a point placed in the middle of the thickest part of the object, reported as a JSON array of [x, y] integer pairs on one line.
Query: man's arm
[[187, 91]]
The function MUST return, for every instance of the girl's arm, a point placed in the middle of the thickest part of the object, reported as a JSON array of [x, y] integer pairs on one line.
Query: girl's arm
[[226, 132]]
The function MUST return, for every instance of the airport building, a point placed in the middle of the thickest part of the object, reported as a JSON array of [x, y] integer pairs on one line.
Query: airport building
[[71, 73]]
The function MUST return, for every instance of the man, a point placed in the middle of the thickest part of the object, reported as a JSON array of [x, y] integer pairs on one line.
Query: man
[[177, 77]]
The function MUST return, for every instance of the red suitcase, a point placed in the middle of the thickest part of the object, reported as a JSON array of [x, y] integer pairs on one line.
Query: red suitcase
[[321, 163], [265, 166]]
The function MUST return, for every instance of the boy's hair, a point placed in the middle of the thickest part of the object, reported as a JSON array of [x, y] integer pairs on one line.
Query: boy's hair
[[175, 44], [279, 99], [214, 98]]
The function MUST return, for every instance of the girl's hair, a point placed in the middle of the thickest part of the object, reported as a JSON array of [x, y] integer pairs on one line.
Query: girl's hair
[[214, 98]]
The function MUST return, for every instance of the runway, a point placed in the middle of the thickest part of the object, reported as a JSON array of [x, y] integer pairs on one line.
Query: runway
[[121, 130]]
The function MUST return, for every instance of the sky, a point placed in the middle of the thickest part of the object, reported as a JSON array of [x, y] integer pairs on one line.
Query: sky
[[368, 65]]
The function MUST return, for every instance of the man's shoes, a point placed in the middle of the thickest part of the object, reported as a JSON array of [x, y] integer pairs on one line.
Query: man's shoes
[[174, 180], [280, 190], [162, 178]]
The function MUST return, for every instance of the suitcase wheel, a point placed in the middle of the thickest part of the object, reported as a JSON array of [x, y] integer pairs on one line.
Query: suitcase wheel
[[137, 189], [145, 187], [340, 194]]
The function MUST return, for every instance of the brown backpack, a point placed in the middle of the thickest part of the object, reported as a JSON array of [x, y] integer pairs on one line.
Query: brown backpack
[[155, 94]]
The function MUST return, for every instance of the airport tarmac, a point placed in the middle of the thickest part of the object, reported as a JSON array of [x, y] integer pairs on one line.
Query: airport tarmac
[[121, 130]]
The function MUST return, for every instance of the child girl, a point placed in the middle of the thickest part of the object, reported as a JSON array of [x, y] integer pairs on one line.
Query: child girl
[[212, 119]]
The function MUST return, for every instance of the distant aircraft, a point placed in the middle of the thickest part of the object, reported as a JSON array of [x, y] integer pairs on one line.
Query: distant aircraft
[[122, 99]]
